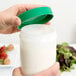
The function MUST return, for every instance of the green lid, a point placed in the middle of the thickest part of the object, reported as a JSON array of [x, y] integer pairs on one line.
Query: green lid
[[40, 15]]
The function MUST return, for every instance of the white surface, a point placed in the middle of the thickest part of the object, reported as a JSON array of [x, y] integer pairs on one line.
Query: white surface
[[9, 38], [6, 71], [14, 56], [64, 16]]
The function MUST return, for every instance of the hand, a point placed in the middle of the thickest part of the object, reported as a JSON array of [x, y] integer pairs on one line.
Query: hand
[[9, 19], [53, 71]]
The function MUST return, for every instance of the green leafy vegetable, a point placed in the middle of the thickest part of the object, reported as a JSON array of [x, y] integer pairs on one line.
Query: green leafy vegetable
[[66, 56]]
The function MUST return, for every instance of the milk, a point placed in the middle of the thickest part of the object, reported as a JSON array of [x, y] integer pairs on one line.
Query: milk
[[38, 48]]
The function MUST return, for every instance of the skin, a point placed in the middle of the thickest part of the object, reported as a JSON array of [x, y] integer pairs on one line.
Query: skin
[[52, 71], [9, 21]]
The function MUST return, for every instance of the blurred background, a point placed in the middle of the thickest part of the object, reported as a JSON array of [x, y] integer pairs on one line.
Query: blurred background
[[64, 20]]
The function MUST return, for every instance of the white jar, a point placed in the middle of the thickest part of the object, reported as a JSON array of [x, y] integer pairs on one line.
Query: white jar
[[37, 47]]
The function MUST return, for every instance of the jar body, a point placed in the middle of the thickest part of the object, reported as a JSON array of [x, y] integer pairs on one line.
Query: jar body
[[38, 53]]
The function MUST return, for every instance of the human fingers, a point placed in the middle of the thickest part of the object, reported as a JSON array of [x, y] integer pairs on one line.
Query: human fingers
[[59, 73], [17, 10], [53, 71], [48, 23], [17, 72], [25, 7]]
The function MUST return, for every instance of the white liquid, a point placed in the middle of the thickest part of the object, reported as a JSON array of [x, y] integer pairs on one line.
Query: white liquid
[[38, 48]]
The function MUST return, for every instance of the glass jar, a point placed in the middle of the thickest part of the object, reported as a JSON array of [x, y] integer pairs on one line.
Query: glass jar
[[37, 47]]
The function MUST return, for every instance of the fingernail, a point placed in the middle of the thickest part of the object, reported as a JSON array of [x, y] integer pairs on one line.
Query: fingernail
[[48, 23], [57, 63]]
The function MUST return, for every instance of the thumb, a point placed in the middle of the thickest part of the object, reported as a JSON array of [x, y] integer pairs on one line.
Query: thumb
[[14, 21], [53, 71], [17, 72]]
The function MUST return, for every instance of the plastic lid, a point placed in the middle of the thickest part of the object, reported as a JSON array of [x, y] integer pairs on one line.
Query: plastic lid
[[40, 15]]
